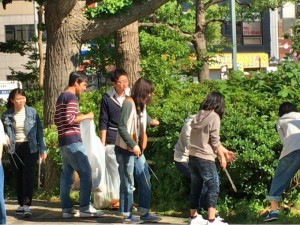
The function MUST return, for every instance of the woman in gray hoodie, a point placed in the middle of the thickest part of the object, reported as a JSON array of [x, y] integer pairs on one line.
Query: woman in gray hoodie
[[204, 147]]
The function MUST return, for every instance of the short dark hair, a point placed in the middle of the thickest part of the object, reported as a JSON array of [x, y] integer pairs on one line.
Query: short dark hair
[[77, 76], [286, 107], [12, 95], [214, 101], [114, 75]]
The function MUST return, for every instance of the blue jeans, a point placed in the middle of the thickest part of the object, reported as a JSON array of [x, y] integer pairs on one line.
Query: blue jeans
[[203, 172], [285, 171], [130, 166], [75, 158], [183, 168], [2, 202]]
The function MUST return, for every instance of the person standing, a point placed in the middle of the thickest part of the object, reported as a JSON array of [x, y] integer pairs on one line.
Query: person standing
[[2, 201], [110, 112], [74, 157], [130, 143], [25, 142], [288, 128], [204, 145]]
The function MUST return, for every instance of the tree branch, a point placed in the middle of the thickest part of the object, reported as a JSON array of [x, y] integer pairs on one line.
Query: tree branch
[[181, 33], [215, 20], [105, 26]]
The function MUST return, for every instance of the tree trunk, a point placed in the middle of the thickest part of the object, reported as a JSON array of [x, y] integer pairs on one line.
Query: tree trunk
[[128, 51], [40, 44], [199, 42], [62, 54]]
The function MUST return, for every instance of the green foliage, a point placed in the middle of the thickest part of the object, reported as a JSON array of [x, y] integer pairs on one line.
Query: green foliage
[[51, 140], [29, 78], [248, 129], [15, 46], [107, 7]]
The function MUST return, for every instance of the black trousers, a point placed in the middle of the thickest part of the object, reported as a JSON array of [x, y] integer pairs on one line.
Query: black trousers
[[23, 167]]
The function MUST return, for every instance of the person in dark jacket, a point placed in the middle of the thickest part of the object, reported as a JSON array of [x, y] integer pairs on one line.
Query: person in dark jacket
[[110, 113]]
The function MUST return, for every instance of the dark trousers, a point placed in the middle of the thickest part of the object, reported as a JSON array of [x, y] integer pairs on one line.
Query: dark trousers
[[23, 167], [183, 168], [203, 172]]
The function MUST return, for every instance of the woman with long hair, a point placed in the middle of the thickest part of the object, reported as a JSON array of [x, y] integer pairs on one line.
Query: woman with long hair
[[130, 144]]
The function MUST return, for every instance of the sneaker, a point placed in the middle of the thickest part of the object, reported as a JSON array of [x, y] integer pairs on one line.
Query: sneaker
[[91, 212], [150, 218], [198, 220], [217, 221], [272, 216], [132, 220], [20, 210], [26, 212], [72, 214]]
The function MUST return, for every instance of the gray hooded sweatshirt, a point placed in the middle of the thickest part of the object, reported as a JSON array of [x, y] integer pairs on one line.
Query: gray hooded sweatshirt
[[205, 135]]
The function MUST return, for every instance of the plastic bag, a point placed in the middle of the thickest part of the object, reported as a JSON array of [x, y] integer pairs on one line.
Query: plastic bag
[[105, 174], [95, 151]]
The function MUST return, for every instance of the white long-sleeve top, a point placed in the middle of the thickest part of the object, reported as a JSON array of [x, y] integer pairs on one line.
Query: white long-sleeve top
[[288, 128]]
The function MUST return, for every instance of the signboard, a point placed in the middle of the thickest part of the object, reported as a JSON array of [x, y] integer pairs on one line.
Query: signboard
[[244, 60], [252, 29], [6, 87]]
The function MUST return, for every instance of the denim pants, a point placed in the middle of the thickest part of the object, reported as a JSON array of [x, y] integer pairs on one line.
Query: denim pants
[[203, 172], [183, 168], [285, 171], [2, 202], [75, 158], [130, 166], [23, 164]]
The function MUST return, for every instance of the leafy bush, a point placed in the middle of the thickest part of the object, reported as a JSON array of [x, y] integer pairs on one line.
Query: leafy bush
[[247, 128]]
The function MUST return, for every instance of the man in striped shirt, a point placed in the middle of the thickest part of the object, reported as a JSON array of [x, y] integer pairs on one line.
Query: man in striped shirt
[[74, 158]]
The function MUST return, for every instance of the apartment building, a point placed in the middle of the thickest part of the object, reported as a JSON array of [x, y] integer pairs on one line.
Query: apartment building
[[16, 22]]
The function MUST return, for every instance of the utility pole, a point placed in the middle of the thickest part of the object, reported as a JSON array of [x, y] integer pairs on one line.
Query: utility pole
[[233, 35]]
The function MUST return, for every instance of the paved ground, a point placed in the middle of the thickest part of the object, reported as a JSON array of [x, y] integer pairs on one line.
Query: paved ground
[[50, 213]]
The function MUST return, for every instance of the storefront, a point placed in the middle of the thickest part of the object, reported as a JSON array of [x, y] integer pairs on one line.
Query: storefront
[[245, 62]]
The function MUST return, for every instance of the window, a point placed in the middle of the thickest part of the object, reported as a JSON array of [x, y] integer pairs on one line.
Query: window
[[19, 32], [247, 33]]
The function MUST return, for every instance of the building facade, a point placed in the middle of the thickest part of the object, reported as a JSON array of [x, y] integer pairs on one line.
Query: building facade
[[17, 23]]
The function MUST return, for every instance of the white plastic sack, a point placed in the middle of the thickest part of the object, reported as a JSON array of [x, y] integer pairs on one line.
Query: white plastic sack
[[95, 151], [105, 175]]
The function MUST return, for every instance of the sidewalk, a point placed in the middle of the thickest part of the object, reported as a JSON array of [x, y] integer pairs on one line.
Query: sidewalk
[[50, 213]]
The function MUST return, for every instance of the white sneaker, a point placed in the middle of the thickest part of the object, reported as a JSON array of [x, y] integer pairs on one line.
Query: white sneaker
[[91, 212], [27, 212], [218, 221], [20, 210], [72, 214], [197, 221]]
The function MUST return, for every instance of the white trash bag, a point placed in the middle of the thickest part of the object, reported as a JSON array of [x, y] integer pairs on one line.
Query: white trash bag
[[103, 182]]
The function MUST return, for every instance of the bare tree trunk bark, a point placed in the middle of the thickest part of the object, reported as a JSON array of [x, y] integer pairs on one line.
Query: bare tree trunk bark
[[199, 42], [128, 51], [62, 54], [40, 45]]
